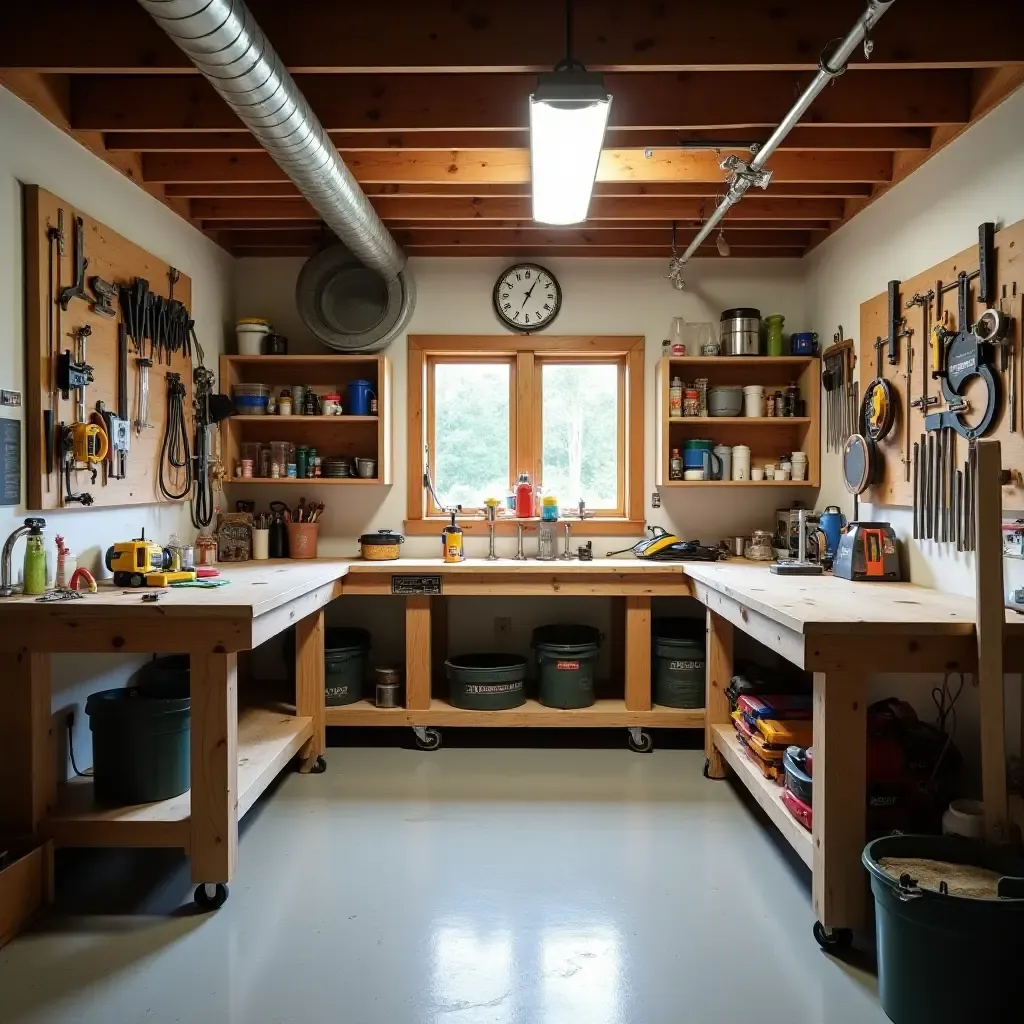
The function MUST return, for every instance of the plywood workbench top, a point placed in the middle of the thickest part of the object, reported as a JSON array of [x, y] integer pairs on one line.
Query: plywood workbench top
[[480, 566]]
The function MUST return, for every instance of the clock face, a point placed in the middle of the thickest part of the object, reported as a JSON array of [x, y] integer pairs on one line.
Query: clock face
[[527, 297]]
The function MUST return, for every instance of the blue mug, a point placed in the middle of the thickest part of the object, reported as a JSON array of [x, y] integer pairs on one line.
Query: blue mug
[[702, 459], [803, 344], [359, 394]]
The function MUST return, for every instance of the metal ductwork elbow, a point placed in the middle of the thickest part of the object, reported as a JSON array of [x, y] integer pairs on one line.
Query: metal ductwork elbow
[[224, 42]]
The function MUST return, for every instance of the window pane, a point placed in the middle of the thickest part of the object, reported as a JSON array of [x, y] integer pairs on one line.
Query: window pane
[[471, 432], [581, 422]]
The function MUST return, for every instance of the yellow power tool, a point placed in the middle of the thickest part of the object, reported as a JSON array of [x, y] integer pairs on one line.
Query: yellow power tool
[[141, 563]]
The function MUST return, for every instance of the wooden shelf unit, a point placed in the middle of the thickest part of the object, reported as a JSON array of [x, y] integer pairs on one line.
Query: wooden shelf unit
[[367, 436], [267, 740], [767, 793], [603, 714], [767, 437]]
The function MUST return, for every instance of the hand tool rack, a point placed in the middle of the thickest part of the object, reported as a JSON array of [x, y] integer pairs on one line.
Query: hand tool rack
[[50, 330]]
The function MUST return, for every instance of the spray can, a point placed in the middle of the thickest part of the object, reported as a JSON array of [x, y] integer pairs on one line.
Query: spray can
[[452, 549]]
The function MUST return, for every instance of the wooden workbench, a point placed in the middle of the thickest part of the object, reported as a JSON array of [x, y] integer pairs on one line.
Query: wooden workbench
[[235, 753], [630, 582], [842, 632]]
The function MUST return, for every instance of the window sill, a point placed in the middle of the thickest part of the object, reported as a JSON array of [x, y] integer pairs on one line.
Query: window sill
[[596, 527]]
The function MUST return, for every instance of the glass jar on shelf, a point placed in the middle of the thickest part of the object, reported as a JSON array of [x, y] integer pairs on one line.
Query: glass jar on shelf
[[675, 398], [675, 465], [759, 547], [691, 402]]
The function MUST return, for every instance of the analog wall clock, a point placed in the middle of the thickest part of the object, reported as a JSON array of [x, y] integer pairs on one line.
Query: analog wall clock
[[527, 297]]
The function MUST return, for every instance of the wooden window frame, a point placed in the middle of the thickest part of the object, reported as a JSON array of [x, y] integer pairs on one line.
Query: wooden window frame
[[526, 356]]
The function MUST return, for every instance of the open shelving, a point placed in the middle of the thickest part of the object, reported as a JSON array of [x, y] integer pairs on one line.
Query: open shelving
[[767, 437], [767, 793], [366, 436], [267, 740], [602, 714]]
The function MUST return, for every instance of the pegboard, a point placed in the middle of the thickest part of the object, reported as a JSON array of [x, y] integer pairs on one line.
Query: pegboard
[[893, 487], [118, 261]]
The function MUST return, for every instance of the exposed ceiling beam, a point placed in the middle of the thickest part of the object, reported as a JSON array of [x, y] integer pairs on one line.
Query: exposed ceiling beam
[[808, 138], [426, 228], [391, 208], [409, 35], [681, 101], [282, 190], [512, 166], [613, 252]]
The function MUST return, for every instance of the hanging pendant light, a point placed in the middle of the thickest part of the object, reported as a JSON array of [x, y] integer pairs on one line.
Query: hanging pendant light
[[568, 116]]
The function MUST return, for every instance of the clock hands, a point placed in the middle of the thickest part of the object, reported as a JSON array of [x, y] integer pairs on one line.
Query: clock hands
[[526, 297]]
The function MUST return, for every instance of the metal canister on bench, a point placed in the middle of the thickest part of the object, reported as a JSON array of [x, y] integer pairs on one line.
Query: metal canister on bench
[[389, 685]]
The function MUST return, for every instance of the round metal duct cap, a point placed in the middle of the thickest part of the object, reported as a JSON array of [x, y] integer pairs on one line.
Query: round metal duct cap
[[348, 306]]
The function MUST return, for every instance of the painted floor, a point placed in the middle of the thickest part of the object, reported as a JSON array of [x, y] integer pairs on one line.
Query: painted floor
[[465, 886]]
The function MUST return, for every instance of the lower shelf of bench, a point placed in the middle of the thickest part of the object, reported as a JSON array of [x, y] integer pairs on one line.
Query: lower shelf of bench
[[767, 793], [267, 741], [603, 714]]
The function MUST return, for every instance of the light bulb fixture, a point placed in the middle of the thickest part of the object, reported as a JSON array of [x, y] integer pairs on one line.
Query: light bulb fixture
[[568, 116], [722, 244]]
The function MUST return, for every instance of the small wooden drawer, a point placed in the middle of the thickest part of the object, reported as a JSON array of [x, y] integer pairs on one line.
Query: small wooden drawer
[[26, 886]]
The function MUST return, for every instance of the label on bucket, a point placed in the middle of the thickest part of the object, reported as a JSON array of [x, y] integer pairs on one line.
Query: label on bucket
[[567, 666], [337, 691], [685, 666], [493, 687]]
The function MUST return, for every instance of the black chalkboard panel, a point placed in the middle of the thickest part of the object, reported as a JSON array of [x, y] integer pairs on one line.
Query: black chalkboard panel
[[10, 462]]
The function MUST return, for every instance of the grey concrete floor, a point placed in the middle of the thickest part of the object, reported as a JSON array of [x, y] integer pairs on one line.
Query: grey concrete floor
[[465, 886]]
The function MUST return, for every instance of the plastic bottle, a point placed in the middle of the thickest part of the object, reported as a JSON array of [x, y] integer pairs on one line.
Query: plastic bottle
[[34, 570], [524, 497]]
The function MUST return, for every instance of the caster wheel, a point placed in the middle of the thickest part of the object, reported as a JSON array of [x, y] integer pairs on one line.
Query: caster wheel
[[319, 766], [640, 742], [211, 896], [838, 941], [707, 767], [429, 740]]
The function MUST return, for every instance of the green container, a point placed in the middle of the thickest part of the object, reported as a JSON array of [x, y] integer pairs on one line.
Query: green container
[[486, 682], [566, 664], [946, 959], [140, 739], [346, 651], [679, 663]]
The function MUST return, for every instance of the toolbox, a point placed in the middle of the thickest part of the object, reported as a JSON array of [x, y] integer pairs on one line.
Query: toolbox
[[775, 772], [775, 705], [785, 734], [797, 763], [801, 811]]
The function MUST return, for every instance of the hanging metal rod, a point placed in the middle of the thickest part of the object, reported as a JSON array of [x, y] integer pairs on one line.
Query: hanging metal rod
[[742, 175]]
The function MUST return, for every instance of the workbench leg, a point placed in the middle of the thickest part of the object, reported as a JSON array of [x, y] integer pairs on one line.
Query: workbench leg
[[438, 638], [27, 780], [839, 798], [638, 654], [718, 673], [214, 819], [309, 686], [417, 653]]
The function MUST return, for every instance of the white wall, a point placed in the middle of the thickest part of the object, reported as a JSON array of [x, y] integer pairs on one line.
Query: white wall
[[599, 297], [35, 152], [923, 220]]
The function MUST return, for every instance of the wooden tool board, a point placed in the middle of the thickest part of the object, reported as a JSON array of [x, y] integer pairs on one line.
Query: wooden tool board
[[119, 261], [894, 488]]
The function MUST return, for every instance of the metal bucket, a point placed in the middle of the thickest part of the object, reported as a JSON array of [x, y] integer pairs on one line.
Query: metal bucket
[[740, 332]]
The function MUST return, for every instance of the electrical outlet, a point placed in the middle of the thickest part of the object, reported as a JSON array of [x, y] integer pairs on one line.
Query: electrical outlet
[[502, 625], [655, 500]]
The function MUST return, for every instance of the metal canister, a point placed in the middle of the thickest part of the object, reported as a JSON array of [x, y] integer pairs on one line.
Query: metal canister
[[781, 404], [793, 399], [388, 689], [740, 331], [301, 461]]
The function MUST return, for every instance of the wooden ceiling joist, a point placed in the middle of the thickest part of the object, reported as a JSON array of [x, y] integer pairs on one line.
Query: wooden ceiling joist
[[411, 36], [658, 100], [622, 190], [808, 138], [512, 166], [391, 208]]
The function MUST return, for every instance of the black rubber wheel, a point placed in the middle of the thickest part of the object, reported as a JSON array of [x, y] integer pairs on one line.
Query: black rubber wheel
[[642, 746], [319, 766], [137, 580], [204, 901], [707, 767], [431, 739], [839, 940]]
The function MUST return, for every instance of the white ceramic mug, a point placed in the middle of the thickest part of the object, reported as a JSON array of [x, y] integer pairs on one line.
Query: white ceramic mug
[[782, 473], [756, 473]]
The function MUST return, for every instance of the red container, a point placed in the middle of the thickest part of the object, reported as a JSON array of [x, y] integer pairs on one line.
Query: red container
[[524, 499]]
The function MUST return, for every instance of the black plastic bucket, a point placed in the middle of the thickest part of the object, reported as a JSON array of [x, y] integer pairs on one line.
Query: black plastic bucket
[[345, 660], [486, 682], [141, 737], [946, 959], [679, 663], [566, 664]]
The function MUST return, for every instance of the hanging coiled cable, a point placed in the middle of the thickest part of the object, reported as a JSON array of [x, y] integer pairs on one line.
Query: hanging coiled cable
[[174, 451]]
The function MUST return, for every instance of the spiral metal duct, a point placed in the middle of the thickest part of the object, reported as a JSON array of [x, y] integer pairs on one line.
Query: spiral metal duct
[[224, 42]]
